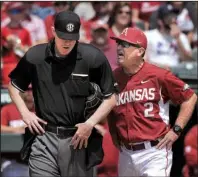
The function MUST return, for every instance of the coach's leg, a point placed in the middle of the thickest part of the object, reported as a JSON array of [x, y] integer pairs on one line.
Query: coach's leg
[[158, 163], [126, 166], [43, 162], [72, 161]]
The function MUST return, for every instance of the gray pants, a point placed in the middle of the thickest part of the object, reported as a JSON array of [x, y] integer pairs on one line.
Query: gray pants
[[55, 157]]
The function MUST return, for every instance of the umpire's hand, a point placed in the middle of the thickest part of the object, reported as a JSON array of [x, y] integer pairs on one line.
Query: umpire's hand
[[82, 135], [33, 123]]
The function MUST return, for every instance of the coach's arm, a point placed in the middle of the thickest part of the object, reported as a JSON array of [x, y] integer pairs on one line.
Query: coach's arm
[[185, 113]]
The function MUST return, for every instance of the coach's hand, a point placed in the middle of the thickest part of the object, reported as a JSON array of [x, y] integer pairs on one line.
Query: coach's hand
[[82, 135], [33, 123], [168, 140]]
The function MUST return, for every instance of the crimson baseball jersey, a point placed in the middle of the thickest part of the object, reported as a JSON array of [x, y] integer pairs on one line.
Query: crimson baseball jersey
[[142, 111]]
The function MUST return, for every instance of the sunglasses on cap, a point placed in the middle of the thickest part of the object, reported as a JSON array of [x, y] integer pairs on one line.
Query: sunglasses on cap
[[125, 44]]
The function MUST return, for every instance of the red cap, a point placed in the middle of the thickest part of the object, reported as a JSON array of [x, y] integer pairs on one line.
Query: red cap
[[98, 24], [133, 36], [190, 146]]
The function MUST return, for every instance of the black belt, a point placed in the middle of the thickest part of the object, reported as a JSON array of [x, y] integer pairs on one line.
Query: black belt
[[141, 146], [60, 131]]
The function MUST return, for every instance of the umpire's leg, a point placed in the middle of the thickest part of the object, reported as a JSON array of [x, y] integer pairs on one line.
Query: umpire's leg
[[72, 161], [55, 157], [43, 158]]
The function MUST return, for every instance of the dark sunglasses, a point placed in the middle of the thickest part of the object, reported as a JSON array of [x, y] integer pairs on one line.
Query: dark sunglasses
[[125, 44], [16, 11], [124, 12]]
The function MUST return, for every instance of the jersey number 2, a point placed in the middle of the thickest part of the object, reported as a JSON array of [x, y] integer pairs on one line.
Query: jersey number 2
[[148, 110]]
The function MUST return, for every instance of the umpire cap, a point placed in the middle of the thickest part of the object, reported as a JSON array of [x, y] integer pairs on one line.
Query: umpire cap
[[67, 25]]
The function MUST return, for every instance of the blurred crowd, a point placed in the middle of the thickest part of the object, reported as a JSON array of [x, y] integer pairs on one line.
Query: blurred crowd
[[170, 27]]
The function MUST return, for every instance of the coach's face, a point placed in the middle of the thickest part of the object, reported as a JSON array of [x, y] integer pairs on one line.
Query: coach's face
[[64, 47], [127, 53]]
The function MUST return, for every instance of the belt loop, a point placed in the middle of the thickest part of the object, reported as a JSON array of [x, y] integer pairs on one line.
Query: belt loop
[[147, 144], [57, 132]]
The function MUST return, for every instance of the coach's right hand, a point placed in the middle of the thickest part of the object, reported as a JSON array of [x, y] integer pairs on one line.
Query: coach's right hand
[[33, 123]]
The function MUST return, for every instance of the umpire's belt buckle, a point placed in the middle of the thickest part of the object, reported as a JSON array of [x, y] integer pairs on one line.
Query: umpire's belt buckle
[[57, 130]]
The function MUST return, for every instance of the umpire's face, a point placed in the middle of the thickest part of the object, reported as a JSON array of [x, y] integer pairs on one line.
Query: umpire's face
[[64, 47]]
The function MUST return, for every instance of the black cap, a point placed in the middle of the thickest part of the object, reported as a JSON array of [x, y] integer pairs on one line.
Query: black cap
[[164, 11], [67, 25]]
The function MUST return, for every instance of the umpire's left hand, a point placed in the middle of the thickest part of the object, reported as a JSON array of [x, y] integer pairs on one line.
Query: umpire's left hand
[[82, 135]]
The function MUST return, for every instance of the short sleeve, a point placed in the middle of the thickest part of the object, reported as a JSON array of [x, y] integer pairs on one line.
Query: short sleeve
[[101, 73], [175, 89], [21, 76]]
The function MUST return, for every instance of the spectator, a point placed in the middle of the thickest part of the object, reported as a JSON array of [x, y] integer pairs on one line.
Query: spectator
[[142, 11], [191, 153], [49, 21], [186, 17], [101, 40], [85, 10], [16, 40], [102, 11], [183, 18], [102, 14], [167, 45], [33, 24], [120, 18], [42, 8], [11, 121]]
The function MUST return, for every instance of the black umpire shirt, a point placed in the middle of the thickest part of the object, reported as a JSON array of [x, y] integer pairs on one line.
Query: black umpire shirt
[[60, 86]]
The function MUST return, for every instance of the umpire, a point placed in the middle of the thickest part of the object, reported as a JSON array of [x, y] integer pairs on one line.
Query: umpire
[[60, 73]]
